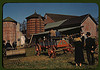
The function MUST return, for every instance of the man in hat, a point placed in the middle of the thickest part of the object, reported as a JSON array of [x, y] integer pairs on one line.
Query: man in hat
[[90, 49], [8, 45], [52, 36]]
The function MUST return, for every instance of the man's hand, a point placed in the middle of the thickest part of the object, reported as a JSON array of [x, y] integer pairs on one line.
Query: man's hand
[[92, 47], [92, 51]]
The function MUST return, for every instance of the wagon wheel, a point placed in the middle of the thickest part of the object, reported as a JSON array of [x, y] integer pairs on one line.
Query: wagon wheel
[[51, 52], [71, 49], [54, 54], [64, 50], [37, 49]]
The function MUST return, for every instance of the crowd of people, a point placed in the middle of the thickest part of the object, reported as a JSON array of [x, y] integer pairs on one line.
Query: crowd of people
[[47, 40], [80, 41]]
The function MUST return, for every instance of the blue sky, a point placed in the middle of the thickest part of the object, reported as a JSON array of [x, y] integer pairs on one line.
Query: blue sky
[[19, 11]]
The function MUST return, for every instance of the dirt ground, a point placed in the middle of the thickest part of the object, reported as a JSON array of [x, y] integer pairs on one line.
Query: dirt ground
[[30, 61]]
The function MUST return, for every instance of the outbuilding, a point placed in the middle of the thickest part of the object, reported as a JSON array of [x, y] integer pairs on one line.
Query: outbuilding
[[9, 29]]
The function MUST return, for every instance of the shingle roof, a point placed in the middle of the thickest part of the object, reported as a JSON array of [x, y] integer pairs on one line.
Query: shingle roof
[[72, 22], [35, 15], [60, 30], [59, 17], [76, 21], [66, 29], [55, 24], [9, 19]]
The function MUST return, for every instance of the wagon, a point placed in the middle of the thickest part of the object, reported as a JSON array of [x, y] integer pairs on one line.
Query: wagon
[[61, 43], [58, 45]]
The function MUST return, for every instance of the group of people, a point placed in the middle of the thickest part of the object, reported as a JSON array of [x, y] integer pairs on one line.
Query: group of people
[[8, 46], [47, 40], [79, 41], [88, 43]]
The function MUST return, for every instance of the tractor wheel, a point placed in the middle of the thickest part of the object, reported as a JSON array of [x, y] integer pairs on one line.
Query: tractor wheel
[[49, 52]]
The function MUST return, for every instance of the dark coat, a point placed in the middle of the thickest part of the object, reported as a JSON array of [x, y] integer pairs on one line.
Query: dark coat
[[57, 34], [90, 44], [79, 57], [14, 44], [8, 45], [4, 45]]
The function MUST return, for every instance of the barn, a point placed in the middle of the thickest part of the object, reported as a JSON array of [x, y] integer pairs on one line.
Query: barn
[[9, 29], [86, 22]]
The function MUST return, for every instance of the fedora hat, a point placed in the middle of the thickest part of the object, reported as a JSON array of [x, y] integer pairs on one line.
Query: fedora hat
[[88, 33]]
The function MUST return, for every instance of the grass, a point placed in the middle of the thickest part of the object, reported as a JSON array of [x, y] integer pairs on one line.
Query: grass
[[62, 61]]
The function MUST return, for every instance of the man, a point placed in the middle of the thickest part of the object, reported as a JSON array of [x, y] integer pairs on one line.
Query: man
[[90, 49], [52, 35], [14, 45], [8, 45], [57, 33]]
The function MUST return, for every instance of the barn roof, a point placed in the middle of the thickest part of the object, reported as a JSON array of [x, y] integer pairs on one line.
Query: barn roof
[[9, 19], [77, 20], [60, 30], [55, 24], [72, 22], [59, 17], [35, 15]]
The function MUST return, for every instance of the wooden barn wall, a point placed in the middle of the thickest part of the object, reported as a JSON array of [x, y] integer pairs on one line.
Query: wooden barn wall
[[89, 26]]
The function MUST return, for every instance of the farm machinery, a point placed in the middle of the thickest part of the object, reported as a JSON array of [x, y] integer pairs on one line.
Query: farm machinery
[[53, 46]]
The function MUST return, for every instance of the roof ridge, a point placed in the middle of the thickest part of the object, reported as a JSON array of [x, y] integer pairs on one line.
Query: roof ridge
[[57, 17], [9, 18], [61, 14], [86, 15], [34, 15]]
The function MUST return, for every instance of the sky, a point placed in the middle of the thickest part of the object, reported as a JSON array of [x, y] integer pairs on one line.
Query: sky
[[19, 11]]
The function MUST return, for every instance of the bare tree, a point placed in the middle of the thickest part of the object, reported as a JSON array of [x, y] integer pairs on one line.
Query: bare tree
[[23, 27]]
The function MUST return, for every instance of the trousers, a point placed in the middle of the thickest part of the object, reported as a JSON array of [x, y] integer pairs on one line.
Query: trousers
[[90, 57]]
